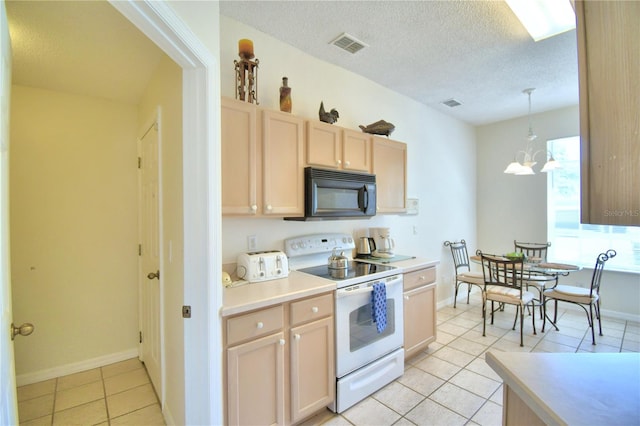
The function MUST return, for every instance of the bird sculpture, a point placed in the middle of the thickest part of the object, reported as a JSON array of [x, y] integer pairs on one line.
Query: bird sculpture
[[328, 117], [380, 127]]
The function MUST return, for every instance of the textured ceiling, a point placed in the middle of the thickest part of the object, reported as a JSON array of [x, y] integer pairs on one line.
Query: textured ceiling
[[474, 51], [81, 47]]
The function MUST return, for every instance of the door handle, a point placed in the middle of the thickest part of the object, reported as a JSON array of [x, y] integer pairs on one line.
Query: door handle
[[24, 330], [153, 275]]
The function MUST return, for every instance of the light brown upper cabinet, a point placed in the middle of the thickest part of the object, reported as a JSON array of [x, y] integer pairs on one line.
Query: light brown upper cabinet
[[390, 168], [609, 67], [334, 147], [262, 161]]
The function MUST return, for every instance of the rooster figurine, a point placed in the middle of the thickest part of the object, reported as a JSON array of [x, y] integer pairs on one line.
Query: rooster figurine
[[328, 117]]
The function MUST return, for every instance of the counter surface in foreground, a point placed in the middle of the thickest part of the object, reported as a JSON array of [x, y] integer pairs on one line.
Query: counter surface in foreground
[[574, 388]]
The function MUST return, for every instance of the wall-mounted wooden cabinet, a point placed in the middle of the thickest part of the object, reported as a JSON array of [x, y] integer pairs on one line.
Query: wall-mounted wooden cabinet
[[609, 67], [262, 161], [333, 147], [390, 168]]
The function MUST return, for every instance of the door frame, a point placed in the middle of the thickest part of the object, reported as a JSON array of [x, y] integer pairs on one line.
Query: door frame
[[201, 205]]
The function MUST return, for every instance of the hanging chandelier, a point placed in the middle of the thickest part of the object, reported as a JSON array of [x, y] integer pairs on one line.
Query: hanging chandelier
[[528, 155]]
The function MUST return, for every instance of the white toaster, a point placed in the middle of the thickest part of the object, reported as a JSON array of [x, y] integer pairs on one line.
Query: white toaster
[[262, 266]]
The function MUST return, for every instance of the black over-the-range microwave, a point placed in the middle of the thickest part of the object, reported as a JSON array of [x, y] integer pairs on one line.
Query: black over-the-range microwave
[[333, 194]]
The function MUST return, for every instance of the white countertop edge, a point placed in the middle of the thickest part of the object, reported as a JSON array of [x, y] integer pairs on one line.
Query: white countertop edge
[[532, 400], [408, 265], [253, 296]]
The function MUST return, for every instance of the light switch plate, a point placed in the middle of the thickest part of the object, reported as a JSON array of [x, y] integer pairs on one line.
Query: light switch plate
[[412, 206]]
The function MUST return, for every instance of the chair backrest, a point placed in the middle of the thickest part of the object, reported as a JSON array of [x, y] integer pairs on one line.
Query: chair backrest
[[597, 270], [460, 254], [532, 249], [500, 271]]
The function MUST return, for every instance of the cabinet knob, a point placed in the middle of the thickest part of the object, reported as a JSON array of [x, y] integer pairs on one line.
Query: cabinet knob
[[282, 342], [296, 336], [347, 163], [260, 324], [422, 278], [314, 309], [338, 162], [254, 208], [406, 298], [269, 207]]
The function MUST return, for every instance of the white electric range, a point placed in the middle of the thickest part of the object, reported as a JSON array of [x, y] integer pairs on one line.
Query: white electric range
[[367, 358]]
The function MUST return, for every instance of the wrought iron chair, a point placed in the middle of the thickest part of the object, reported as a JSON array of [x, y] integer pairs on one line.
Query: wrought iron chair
[[464, 275], [503, 284], [536, 252], [580, 296]]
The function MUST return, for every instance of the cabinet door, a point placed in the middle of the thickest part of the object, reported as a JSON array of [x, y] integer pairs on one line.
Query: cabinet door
[[283, 173], [323, 145], [356, 151], [255, 382], [313, 381], [239, 158], [609, 67], [390, 168], [419, 319]]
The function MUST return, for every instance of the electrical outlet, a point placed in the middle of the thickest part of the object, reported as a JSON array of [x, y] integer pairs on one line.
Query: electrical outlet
[[252, 243]]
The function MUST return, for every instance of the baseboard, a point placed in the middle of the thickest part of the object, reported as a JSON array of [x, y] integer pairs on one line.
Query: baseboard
[[76, 367]]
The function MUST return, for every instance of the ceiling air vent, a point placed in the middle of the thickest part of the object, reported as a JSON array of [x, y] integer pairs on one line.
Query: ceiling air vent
[[451, 103], [349, 43]]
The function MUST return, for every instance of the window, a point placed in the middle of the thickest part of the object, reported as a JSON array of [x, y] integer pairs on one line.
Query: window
[[571, 241]]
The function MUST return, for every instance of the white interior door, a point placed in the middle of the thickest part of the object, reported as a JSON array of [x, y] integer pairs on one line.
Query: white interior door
[[8, 404], [150, 275]]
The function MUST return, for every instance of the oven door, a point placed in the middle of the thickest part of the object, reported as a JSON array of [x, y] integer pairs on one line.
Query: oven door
[[357, 339]]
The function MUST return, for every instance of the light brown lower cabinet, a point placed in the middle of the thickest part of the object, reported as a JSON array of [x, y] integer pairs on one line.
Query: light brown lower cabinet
[[419, 310], [280, 362]]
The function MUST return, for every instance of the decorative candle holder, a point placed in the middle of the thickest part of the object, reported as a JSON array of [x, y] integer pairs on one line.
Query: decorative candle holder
[[246, 73]]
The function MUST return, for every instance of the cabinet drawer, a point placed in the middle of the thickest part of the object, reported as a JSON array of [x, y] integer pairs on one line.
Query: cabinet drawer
[[253, 325], [311, 309], [420, 277]]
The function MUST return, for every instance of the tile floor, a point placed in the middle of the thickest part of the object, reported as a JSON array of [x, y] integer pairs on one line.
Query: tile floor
[[447, 384], [451, 384], [116, 394]]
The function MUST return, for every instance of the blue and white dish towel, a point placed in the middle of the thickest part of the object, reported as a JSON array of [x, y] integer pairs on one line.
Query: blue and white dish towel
[[379, 306]]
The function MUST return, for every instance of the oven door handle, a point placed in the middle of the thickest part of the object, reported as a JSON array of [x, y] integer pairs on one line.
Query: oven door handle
[[362, 289]]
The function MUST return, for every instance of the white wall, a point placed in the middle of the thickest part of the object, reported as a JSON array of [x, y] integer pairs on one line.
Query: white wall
[[165, 91], [73, 228], [515, 207], [441, 151]]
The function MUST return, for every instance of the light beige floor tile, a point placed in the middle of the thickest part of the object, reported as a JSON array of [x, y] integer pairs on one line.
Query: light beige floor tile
[[36, 389], [79, 395], [87, 414], [480, 366], [35, 407], [587, 346], [463, 322], [321, 418], [453, 329], [562, 339], [337, 421], [404, 422], [497, 396], [468, 346], [438, 367], [79, 379], [131, 400], [398, 397], [490, 414], [474, 382], [444, 338], [430, 413], [548, 346], [149, 416], [420, 381], [121, 367], [457, 399], [630, 345], [510, 346], [454, 356], [124, 381], [41, 421], [632, 336], [477, 337], [371, 412]]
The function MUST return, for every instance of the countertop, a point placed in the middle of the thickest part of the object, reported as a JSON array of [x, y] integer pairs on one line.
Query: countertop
[[574, 388], [250, 296]]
